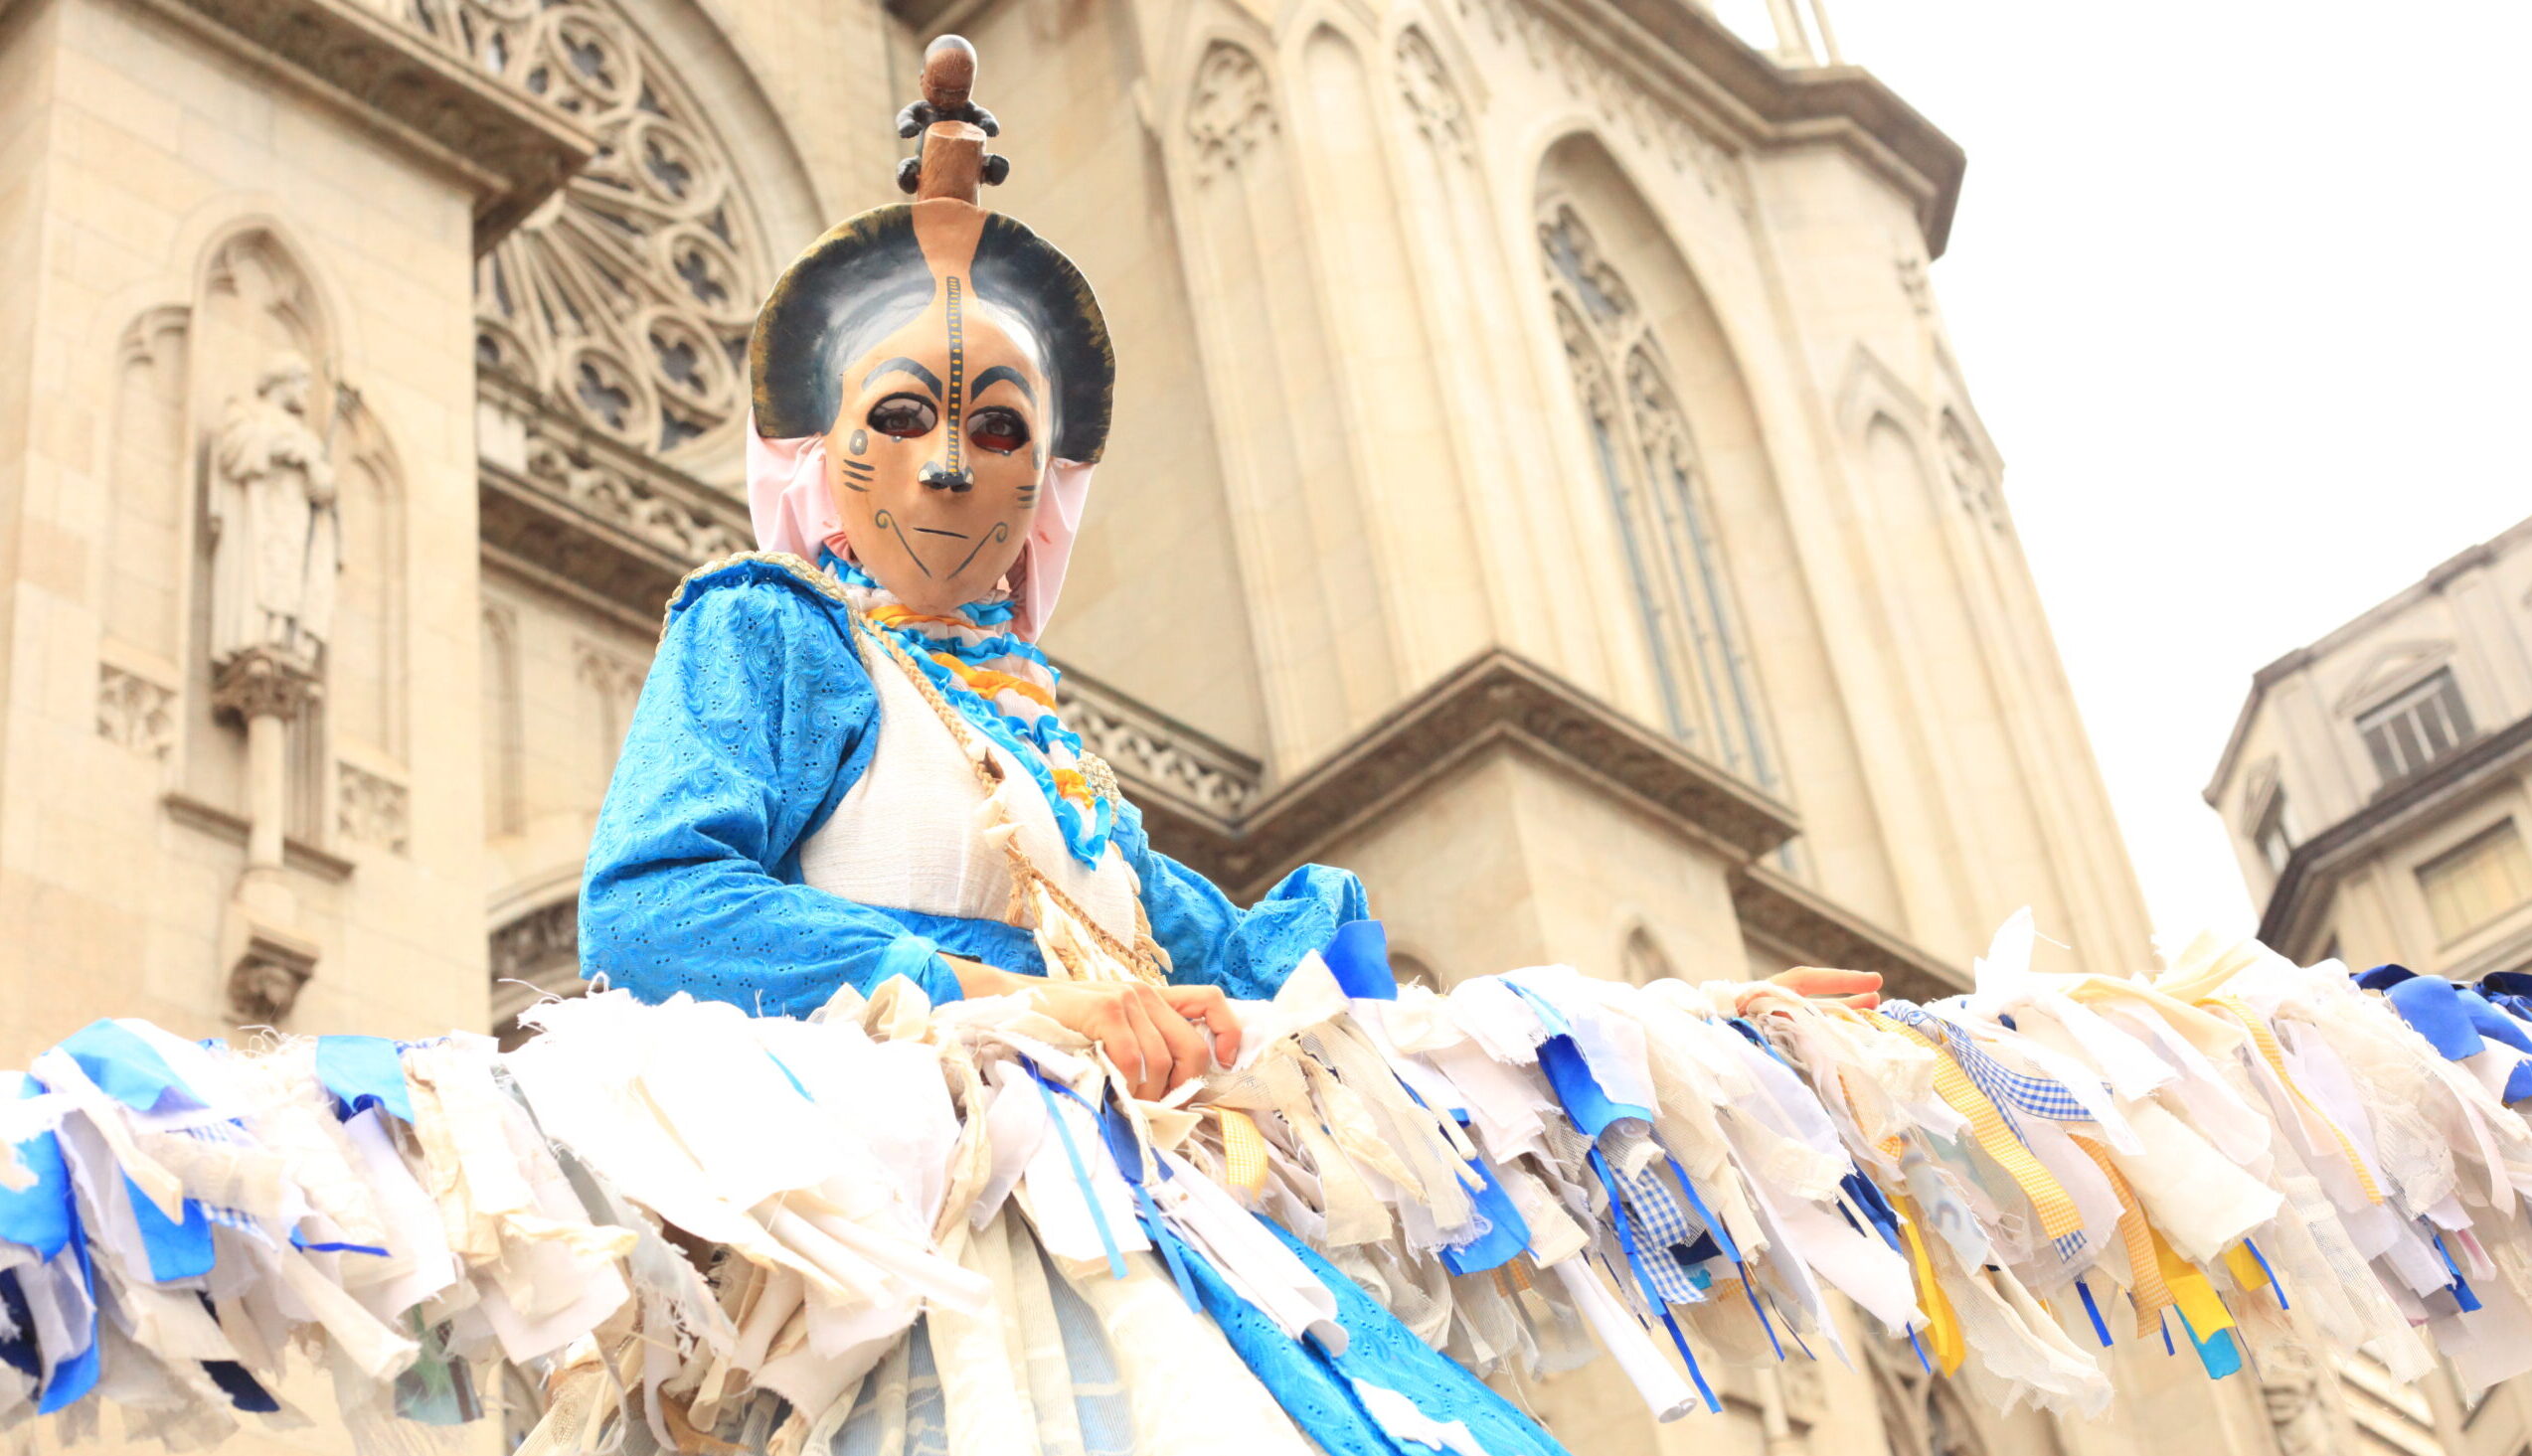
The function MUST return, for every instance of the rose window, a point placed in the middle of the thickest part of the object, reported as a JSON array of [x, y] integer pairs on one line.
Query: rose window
[[623, 302]]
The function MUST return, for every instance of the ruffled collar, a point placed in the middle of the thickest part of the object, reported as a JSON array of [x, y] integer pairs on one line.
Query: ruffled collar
[[1003, 686]]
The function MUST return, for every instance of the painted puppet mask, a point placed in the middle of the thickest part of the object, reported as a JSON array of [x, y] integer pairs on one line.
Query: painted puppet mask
[[947, 357], [940, 449]]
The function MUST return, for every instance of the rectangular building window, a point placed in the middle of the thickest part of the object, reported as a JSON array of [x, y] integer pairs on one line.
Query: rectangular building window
[[2468, 886], [2273, 833], [2417, 728]]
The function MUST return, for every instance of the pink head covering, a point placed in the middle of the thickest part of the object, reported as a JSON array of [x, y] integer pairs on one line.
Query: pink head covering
[[793, 510]]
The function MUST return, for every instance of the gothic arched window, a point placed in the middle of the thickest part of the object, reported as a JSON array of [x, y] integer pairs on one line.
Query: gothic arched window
[[1646, 457]]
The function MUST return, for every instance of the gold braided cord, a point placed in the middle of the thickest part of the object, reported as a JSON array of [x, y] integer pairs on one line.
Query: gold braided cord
[[1143, 960]]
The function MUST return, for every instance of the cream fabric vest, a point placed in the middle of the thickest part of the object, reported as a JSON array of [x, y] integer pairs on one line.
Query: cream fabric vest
[[906, 837]]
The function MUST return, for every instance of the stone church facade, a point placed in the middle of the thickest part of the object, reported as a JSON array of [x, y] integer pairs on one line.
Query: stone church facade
[[1541, 482]]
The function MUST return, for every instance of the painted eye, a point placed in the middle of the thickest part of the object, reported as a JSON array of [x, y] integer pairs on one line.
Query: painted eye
[[903, 417], [998, 429]]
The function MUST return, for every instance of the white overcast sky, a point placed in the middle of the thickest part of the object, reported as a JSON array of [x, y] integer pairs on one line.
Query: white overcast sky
[[2240, 290]]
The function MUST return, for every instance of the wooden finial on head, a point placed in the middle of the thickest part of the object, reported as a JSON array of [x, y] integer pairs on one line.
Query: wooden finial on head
[[950, 160]]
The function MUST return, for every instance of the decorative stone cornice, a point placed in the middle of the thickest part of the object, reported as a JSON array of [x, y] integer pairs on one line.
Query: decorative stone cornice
[[1495, 699], [586, 509], [2297, 906], [1803, 925], [1164, 758], [513, 151], [1692, 73], [1496, 702]]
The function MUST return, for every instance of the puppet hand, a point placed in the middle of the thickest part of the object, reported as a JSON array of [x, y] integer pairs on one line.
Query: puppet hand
[[1153, 1047], [1858, 989], [1149, 1031]]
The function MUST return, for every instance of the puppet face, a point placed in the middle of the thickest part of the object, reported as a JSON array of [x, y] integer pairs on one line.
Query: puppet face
[[940, 444]]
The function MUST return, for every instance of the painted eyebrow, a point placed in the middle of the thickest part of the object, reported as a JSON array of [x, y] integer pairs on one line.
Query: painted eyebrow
[[1004, 372], [929, 380]]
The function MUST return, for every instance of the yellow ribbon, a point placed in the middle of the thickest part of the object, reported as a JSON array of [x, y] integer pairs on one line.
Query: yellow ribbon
[[2267, 1041], [2146, 1288], [2057, 1214], [1944, 1345], [2193, 1292]]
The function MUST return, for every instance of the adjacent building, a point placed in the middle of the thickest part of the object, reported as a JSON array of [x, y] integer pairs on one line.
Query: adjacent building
[[2378, 784]]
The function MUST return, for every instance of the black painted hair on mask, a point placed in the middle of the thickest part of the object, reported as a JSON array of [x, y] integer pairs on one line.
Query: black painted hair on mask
[[867, 278]]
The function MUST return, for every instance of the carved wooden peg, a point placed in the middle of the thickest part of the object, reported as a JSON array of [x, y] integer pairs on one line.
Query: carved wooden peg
[[950, 159]]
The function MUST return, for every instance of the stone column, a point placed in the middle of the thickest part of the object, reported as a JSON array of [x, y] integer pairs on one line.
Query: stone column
[[267, 955]]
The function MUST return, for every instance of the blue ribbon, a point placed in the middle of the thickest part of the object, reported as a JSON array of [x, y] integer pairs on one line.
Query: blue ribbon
[[1645, 1280], [1081, 1170], [2099, 1327]]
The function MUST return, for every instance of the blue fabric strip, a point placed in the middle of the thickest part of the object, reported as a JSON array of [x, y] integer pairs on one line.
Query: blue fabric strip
[[1507, 1234], [39, 1216], [2100, 1327], [2217, 1352], [176, 1250], [1714, 1225], [363, 1073], [1359, 958], [2462, 1293], [67, 1382], [128, 1069], [1126, 1151], [2275, 1285], [1750, 1291], [1645, 1280]]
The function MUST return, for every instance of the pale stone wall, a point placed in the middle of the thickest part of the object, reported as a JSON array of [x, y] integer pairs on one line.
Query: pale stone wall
[[151, 156]]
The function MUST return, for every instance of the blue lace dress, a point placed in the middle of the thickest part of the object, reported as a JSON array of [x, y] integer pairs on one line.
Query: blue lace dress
[[758, 718], [757, 721]]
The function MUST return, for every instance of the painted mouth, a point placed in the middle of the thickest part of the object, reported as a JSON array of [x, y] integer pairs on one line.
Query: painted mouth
[[937, 531]]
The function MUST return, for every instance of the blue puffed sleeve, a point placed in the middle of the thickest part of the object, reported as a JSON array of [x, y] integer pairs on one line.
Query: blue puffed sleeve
[[757, 716], [1212, 942]]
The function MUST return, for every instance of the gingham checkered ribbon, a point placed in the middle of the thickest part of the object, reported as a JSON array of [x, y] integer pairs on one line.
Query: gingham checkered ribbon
[[1661, 1227], [2011, 1091], [1997, 1136]]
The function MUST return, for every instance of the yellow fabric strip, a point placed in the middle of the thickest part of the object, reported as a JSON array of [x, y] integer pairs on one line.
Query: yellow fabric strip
[[2244, 1268], [2057, 1214], [2146, 1289], [2267, 1040], [1242, 1150], [1944, 1345], [2193, 1292]]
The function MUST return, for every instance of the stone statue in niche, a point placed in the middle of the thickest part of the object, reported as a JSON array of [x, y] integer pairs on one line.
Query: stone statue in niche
[[277, 532]]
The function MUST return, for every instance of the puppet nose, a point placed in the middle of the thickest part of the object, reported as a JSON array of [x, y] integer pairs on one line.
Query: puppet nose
[[957, 482]]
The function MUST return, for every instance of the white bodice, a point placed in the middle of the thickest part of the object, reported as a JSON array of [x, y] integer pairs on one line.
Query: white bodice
[[906, 836]]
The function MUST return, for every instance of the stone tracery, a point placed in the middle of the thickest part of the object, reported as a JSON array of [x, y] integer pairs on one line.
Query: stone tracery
[[1645, 455], [623, 302]]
